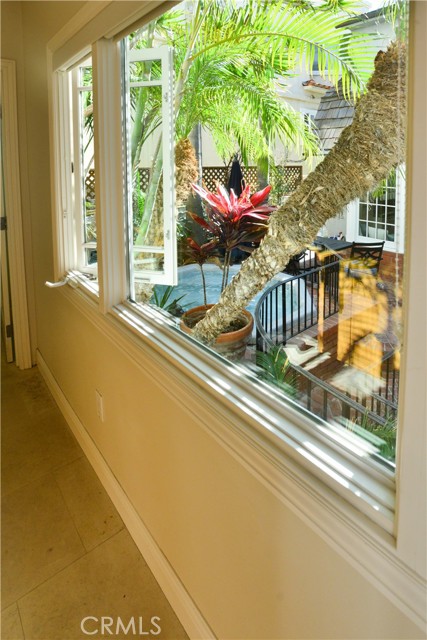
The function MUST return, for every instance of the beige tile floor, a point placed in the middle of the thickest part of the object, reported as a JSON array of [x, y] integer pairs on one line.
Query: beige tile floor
[[66, 554]]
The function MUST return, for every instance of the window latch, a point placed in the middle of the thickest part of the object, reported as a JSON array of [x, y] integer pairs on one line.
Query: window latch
[[67, 280]]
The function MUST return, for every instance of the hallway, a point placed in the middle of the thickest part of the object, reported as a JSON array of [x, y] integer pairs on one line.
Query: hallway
[[66, 554]]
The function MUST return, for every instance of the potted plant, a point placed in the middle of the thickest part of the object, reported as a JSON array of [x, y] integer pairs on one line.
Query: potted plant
[[230, 223]]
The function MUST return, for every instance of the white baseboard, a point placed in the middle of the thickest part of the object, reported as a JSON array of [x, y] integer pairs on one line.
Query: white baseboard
[[181, 602]]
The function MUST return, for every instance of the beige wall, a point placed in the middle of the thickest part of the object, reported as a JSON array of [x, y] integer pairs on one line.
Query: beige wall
[[252, 567]]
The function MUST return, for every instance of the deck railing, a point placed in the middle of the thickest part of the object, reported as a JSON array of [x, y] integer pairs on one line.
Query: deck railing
[[297, 304], [319, 397]]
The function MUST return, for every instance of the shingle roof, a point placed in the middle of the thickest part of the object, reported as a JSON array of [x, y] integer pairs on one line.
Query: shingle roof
[[333, 115]]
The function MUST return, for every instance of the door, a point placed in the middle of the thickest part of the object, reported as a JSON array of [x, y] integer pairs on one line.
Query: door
[[13, 261]]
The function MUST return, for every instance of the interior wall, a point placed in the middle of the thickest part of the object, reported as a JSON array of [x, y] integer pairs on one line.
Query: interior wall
[[251, 566]]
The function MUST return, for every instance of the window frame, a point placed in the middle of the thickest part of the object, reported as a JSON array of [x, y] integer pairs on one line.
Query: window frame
[[169, 274], [65, 218], [391, 560], [353, 219], [77, 177]]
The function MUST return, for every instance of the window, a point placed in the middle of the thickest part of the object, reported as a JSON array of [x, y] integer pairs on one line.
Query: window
[[83, 168], [309, 116], [149, 136], [74, 195], [314, 336], [381, 212]]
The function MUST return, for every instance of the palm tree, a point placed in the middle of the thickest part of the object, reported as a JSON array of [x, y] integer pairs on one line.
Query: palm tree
[[365, 153], [230, 60]]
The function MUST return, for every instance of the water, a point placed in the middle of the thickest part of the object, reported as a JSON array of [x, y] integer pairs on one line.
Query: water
[[190, 287]]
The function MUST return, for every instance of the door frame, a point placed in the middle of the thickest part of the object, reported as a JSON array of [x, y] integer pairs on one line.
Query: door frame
[[12, 198]]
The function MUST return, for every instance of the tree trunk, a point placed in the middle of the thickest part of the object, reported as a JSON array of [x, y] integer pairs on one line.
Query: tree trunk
[[365, 153]]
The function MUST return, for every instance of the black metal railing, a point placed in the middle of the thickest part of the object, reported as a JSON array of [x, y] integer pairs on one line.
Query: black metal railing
[[326, 401], [294, 305]]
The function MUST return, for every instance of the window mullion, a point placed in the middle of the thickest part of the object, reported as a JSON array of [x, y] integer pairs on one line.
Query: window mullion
[[108, 162]]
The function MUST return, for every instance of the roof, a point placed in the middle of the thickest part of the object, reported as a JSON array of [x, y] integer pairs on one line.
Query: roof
[[333, 115], [313, 83], [364, 17]]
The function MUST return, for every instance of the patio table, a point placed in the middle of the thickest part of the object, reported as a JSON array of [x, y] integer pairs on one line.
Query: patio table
[[332, 243]]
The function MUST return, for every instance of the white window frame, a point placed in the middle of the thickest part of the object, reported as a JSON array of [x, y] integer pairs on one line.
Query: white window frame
[[353, 208], [169, 274], [308, 116], [270, 439], [65, 173], [77, 176]]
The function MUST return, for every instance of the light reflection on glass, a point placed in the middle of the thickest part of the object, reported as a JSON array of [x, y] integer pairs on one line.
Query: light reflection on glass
[[327, 458], [324, 468]]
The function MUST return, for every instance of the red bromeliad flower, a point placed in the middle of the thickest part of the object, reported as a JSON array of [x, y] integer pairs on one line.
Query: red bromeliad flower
[[234, 222]]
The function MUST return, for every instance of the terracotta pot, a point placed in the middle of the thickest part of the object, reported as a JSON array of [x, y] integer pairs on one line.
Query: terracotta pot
[[231, 344]]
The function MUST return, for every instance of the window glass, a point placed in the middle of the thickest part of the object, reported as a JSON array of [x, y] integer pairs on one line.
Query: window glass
[[326, 329], [148, 140], [382, 207], [84, 168]]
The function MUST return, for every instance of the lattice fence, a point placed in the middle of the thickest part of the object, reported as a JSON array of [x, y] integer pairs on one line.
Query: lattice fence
[[212, 175], [289, 176], [144, 174], [90, 185]]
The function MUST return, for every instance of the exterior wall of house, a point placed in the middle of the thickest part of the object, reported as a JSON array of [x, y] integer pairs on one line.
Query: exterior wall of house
[[253, 568]]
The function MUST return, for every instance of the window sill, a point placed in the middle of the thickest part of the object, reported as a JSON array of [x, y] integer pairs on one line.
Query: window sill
[[349, 503], [89, 286]]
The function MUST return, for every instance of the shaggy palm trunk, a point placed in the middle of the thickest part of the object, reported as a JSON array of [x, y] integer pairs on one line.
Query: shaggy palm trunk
[[365, 153]]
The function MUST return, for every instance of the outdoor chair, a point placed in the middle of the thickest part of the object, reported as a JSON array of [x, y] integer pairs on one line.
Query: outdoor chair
[[365, 258], [301, 263]]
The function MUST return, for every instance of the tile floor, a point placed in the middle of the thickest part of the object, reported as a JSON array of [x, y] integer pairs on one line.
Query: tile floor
[[66, 553]]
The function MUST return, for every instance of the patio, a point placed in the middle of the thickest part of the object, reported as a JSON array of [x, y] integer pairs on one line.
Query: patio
[[334, 333]]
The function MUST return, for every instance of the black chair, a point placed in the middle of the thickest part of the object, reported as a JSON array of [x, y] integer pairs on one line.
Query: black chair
[[301, 263], [365, 258], [293, 268]]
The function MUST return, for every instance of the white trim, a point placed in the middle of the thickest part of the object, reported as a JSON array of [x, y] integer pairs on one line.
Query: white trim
[[189, 372], [96, 20], [87, 13], [181, 602], [110, 213], [12, 197], [411, 523]]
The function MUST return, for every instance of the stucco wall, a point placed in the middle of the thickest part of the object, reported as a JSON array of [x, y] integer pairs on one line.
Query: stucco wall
[[252, 567]]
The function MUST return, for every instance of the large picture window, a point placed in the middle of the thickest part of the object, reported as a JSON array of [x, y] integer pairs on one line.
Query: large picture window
[[321, 332], [324, 329]]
